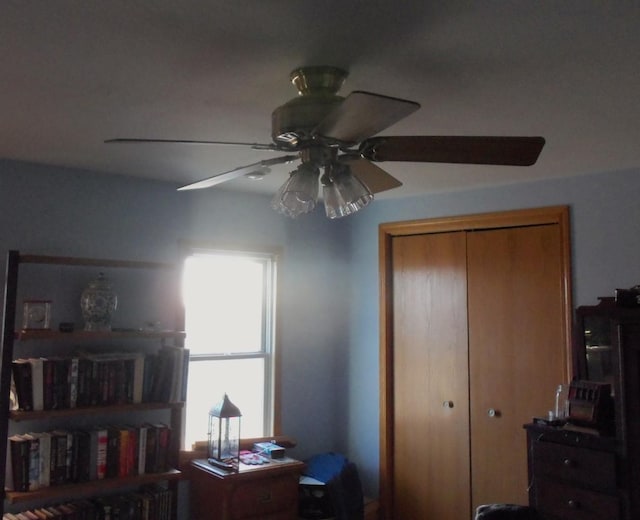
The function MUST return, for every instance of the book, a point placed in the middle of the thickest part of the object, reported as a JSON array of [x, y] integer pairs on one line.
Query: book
[[56, 383], [151, 449], [13, 395], [72, 382], [138, 378], [132, 451], [48, 373], [150, 368], [81, 455], [176, 361], [164, 442], [177, 355], [45, 458], [22, 376], [8, 468], [20, 461], [113, 451], [86, 509], [124, 447], [142, 448], [37, 380], [61, 382], [34, 460], [69, 512], [54, 512], [98, 453], [83, 390], [58, 467], [163, 376], [185, 375]]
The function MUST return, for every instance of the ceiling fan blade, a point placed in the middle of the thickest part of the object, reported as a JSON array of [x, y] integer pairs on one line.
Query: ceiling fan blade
[[130, 140], [237, 172], [363, 114], [374, 177], [508, 151]]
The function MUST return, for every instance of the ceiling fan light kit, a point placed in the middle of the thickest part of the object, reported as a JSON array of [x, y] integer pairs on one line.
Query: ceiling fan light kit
[[335, 135]]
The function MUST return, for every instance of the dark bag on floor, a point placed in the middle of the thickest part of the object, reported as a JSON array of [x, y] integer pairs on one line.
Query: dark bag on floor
[[345, 493]]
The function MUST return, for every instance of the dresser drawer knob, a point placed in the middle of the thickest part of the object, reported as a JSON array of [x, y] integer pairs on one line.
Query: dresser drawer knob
[[447, 404], [492, 412], [573, 504], [567, 462]]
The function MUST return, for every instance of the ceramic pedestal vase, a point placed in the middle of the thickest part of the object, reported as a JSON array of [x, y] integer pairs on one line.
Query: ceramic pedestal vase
[[98, 302]]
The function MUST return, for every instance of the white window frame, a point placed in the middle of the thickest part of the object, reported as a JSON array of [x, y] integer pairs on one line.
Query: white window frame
[[268, 352]]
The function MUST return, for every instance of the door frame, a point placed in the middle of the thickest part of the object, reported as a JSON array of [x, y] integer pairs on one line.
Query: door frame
[[386, 232]]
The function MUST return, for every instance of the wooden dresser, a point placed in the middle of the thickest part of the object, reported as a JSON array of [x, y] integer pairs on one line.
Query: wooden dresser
[[266, 492], [573, 475]]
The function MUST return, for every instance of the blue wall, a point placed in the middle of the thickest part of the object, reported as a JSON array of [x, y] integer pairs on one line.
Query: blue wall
[[329, 276]]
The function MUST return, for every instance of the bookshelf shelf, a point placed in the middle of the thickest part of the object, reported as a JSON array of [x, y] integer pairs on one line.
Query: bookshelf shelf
[[22, 416], [92, 262], [91, 487], [82, 335]]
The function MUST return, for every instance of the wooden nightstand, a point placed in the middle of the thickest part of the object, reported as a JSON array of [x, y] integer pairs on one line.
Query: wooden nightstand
[[265, 492]]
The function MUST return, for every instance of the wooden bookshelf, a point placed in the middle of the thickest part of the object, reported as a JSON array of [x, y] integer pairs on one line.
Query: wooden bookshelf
[[153, 340]]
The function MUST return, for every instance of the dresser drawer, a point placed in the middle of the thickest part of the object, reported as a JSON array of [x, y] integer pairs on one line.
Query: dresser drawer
[[591, 468], [265, 497], [559, 500]]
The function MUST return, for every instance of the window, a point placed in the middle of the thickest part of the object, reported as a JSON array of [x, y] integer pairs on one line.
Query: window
[[229, 302]]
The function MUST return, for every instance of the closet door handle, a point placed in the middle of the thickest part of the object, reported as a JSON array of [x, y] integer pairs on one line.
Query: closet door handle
[[492, 412], [447, 404]]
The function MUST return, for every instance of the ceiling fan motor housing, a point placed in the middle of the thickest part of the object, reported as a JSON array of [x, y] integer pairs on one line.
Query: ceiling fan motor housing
[[292, 124]]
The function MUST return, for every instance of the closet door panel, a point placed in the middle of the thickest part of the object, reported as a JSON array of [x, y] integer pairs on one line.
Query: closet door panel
[[517, 355], [430, 404]]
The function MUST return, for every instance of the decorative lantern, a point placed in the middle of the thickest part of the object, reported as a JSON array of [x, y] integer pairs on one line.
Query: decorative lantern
[[224, 435]]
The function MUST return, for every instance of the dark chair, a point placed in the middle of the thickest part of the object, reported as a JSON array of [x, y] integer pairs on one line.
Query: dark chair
[[505, 512]]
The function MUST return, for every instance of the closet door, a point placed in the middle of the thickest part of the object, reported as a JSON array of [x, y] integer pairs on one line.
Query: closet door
[[430, 378], [516, 351]]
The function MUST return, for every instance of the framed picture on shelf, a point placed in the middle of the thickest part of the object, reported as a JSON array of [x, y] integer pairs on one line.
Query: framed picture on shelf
[[36, 315]]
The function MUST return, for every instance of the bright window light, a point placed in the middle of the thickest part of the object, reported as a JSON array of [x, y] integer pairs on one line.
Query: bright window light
[[229, 321]]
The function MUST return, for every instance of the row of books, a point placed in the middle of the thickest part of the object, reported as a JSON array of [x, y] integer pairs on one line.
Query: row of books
[[37, 460], [100, 378], [151, 502]]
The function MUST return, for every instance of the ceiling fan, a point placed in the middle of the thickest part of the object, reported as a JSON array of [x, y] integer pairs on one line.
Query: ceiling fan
[[334, 139]]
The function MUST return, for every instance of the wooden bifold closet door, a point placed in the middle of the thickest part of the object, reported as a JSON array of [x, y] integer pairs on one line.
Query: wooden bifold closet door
[[431, 423], [478, 323]]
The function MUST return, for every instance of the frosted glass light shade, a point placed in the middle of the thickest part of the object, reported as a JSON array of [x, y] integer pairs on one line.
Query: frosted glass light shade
[[299, 194], [344, 193]]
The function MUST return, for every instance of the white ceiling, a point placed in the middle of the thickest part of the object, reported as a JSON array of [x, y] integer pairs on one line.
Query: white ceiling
[[76, 72]]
